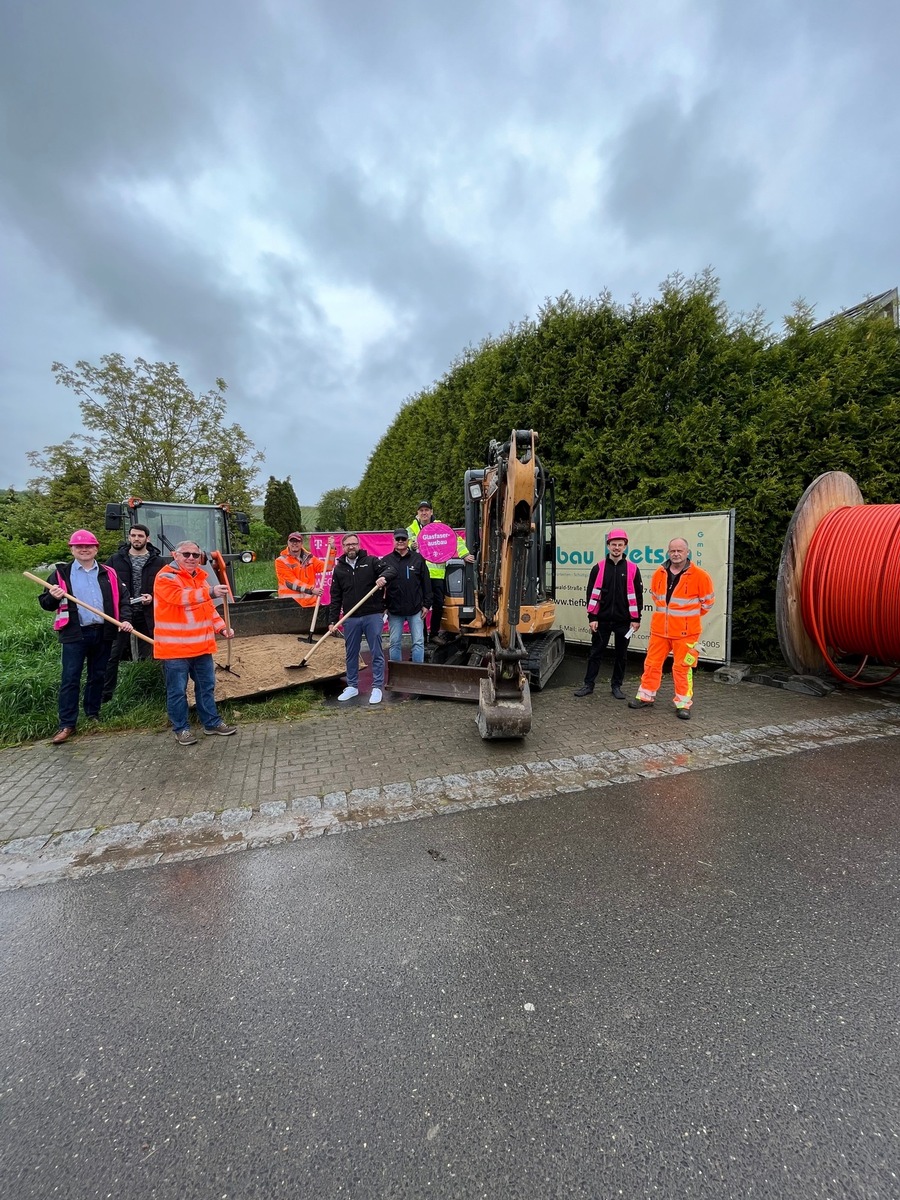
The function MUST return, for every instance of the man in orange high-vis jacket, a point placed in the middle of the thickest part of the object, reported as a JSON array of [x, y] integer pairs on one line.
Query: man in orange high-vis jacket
[[682, 595], [296, 570], [184, 636]]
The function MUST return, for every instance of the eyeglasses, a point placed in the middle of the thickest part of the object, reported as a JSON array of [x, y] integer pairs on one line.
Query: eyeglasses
[[190, 553], [401, 539]]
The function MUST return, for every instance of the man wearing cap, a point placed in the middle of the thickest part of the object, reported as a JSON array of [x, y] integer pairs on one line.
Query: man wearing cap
[[296, 569], [85, 637], [436, 571], [615, 593], [408, 597]]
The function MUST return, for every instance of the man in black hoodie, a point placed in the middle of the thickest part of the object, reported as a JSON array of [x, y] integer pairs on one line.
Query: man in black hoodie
[[137, 563], [356, 574], [408, 597]]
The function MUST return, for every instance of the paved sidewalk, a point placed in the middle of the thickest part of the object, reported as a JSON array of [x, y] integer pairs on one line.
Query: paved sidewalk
[[354, 765]]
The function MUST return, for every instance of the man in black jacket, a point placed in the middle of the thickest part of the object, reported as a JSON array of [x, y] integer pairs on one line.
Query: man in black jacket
[[408, 597], [355, 574], [615, 594], [137, 563], [85, 636]]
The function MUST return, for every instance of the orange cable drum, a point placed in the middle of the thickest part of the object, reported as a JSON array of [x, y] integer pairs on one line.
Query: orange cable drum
[[850, 593]]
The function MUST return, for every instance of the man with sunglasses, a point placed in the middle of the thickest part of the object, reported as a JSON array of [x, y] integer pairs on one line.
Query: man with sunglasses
[[185, 626]]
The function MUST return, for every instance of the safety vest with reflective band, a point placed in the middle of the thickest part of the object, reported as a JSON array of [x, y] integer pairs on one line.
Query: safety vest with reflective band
[[62, 613], [593, 605], [186, 621], [436, 570], [692, 597], [295, 573]]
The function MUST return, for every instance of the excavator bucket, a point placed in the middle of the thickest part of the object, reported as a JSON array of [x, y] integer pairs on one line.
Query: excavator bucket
[[504, 711]]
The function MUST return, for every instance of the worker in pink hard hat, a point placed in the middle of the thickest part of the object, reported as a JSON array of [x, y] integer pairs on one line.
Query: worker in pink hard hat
[[85, 637], [615, 594]]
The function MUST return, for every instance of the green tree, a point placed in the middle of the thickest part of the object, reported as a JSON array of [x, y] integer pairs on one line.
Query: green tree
[[334, 509], [152, 434], [281, 509], [234, 484]]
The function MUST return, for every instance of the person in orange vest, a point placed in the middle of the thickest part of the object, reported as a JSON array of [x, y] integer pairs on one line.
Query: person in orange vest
[[185, 625], [296, 570], [682, 595]]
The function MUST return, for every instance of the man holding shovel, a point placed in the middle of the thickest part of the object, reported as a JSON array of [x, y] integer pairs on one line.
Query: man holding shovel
[[356, 574], [185, 626], [85, 637]]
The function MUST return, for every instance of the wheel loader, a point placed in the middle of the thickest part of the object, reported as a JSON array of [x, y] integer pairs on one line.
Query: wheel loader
[[496, 640]]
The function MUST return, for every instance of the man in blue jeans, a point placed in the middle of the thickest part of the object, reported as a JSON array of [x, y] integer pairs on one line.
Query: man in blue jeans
[[355, 575], [408, 597]]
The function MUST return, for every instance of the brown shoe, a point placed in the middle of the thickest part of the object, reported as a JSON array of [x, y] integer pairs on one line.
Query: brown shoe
[[63, 736]]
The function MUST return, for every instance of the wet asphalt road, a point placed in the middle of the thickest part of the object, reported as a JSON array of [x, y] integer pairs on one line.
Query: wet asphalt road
[[682, 988]]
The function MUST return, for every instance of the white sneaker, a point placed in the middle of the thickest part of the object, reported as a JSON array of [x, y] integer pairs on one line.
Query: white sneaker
[[375, 698], [348, 693]]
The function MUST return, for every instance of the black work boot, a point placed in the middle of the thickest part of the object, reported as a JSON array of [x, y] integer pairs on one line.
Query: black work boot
[[635, 703], [617, 692], [683, 714], [585, 690]]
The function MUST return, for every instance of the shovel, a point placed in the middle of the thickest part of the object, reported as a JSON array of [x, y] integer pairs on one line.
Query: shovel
[[308, 655], [221, 571], [315, 616], [89, 607]]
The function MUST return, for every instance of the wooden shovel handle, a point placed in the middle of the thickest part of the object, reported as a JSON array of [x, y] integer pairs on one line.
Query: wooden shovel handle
[[89, 607], [308, 655]]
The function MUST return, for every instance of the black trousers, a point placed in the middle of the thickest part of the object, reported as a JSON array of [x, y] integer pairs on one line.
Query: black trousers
[[599, 642]]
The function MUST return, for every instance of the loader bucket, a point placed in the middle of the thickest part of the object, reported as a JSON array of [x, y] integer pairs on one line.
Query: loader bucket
[[436, 679]]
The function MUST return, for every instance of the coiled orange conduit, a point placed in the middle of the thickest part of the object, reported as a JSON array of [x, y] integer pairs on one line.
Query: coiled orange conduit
[[850, 595]]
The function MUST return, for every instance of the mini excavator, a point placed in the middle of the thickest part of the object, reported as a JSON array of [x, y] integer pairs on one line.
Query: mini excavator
[[496, 640]]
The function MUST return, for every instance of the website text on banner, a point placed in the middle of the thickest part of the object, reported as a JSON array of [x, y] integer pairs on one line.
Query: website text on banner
[[580, 544], [377, 544]]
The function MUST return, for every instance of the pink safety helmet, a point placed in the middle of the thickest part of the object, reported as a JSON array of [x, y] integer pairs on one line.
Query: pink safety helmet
[[617, 533], [83, 537]]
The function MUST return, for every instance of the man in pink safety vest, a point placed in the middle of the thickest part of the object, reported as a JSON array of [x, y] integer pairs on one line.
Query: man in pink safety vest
[[615, 594]]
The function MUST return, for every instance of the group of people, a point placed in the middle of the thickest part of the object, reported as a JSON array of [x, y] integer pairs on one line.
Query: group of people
[[682, 595], [363, 587], [171, 604], [168, 608]]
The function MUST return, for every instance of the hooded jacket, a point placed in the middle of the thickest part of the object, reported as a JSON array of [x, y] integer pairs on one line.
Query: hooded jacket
[[410, 590], [121, 564], [692, 597], [350, 584]]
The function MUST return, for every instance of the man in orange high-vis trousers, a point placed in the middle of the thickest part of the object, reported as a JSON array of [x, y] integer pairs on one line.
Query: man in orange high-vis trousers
[[682, 595], [184, 636]]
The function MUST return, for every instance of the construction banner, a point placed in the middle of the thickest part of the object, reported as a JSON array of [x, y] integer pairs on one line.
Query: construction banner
[[710, 539]]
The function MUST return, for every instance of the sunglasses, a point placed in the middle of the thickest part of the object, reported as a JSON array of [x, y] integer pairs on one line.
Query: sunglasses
[[190, 553]]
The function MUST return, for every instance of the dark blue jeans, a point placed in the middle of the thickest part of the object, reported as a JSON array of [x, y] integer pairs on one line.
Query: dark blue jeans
[[354, 628], [91, 648], [203, 672]]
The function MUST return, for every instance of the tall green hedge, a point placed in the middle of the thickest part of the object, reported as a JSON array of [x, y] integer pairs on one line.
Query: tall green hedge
[[670, 405]]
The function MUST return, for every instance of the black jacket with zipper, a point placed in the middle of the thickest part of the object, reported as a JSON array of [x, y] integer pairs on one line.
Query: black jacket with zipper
[[350, 584], [121, 564], [410, 590]]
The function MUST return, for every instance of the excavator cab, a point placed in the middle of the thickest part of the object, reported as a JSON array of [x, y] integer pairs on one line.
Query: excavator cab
[[499, 610]]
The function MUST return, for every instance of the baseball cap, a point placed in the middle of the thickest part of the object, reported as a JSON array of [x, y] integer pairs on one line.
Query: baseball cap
[[401, 533], [424, 504], [295, 535]]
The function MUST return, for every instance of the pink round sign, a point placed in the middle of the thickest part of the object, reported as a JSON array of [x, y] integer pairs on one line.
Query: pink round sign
[[436, 542]]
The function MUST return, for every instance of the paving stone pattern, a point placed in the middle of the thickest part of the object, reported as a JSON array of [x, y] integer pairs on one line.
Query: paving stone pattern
[[105, 802]]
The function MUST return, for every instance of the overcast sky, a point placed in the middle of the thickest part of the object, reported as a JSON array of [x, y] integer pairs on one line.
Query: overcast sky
[[324, 201]]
